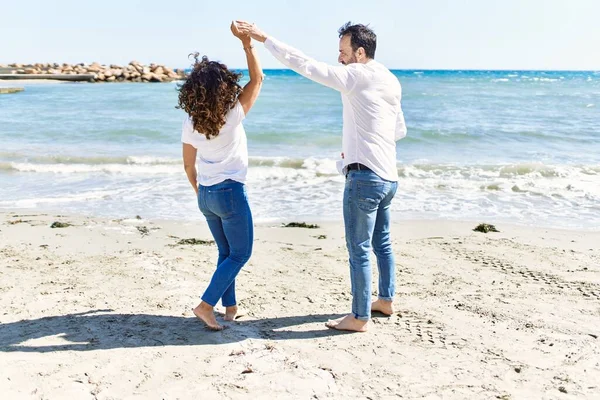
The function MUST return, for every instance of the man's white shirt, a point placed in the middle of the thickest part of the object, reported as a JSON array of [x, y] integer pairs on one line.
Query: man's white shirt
[[371, 95]]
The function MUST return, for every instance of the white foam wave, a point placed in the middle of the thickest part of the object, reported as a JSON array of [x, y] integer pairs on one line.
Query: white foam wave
[[532, 190], [97, 168]]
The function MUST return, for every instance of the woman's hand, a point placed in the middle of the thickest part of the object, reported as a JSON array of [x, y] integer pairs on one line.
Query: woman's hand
[[251, 29], [244, 37]]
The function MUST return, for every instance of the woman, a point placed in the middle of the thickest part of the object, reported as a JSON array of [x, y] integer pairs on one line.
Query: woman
[[216, 105]]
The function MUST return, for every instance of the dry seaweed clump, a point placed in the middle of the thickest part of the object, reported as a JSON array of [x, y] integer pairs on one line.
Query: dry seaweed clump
[[194, 242], [485, 228], [301, 225], [60, 225]]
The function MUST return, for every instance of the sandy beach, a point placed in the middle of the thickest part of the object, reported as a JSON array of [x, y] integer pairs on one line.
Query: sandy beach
[[101, 309]]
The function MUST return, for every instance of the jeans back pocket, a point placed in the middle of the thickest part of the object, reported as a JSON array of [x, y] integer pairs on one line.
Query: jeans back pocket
[[220, 201], [369, 194]]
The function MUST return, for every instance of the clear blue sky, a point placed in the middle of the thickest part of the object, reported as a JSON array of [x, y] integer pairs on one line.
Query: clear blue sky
[[432, 34]]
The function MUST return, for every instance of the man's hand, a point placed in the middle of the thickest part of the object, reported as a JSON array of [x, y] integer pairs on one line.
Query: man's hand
[[244, 37], [252, 30]]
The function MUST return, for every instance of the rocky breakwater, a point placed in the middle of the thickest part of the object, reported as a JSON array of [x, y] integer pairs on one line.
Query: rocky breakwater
[[133, 72]]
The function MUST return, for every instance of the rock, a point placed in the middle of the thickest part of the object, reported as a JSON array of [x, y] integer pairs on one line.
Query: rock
[[133, 72], [10, 90]]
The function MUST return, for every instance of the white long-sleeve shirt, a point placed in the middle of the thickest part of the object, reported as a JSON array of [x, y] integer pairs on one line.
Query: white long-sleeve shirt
[[371, 95]]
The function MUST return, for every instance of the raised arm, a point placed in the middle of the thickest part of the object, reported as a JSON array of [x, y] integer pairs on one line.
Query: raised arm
[[342, 79], [252, 88]]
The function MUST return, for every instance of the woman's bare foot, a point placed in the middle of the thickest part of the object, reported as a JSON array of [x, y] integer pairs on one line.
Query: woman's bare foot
[[383, 306], [204, 312], [348, 323], [230, 313]]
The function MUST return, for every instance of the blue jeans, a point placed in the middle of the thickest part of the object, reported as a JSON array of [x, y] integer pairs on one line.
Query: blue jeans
[[225, 206], [367, 201]]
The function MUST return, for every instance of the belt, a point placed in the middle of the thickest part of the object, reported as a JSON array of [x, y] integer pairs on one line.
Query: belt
[[357, 167]]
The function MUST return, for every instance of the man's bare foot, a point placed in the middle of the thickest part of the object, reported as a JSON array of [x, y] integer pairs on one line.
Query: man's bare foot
[[383, 306], [204, 312], [348, 323], [230, 313]]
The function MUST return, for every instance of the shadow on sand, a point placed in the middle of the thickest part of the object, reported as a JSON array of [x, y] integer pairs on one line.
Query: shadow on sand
[[101, 329]]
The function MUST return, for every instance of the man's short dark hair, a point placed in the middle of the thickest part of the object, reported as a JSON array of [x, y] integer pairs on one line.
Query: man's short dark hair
[[360, 36]]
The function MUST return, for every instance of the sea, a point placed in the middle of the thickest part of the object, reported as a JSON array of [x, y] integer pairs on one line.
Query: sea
[[484, 146]]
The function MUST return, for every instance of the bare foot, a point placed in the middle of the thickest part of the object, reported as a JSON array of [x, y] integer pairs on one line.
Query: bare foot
[[383, 306], [204, 312], [348, 323], [230, 313]]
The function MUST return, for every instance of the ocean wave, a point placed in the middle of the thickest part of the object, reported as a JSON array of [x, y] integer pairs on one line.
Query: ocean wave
[[93, 160], [286, 187], [316, 166], [94, 168]]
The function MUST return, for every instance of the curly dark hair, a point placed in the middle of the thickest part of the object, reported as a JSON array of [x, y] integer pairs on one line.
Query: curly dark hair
[[207, 95]]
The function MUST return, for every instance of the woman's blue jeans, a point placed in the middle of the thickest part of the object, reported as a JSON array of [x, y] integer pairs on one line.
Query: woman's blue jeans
[[225, 206]]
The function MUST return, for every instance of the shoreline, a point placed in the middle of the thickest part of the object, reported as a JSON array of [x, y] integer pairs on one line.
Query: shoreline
[[397, 219]]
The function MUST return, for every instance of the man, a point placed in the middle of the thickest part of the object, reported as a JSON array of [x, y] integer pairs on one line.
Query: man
[[373, 122]]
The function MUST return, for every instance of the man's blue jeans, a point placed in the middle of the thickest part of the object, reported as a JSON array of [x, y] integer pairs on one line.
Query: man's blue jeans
[[225, 206], [367, 201]]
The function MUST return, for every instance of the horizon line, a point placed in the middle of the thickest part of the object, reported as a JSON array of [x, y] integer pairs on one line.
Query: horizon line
[[454, 69]]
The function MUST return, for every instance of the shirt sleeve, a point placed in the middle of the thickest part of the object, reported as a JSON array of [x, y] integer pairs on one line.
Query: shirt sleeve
[[342, 79], [400, 125], [187, 132], [236, 115]]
